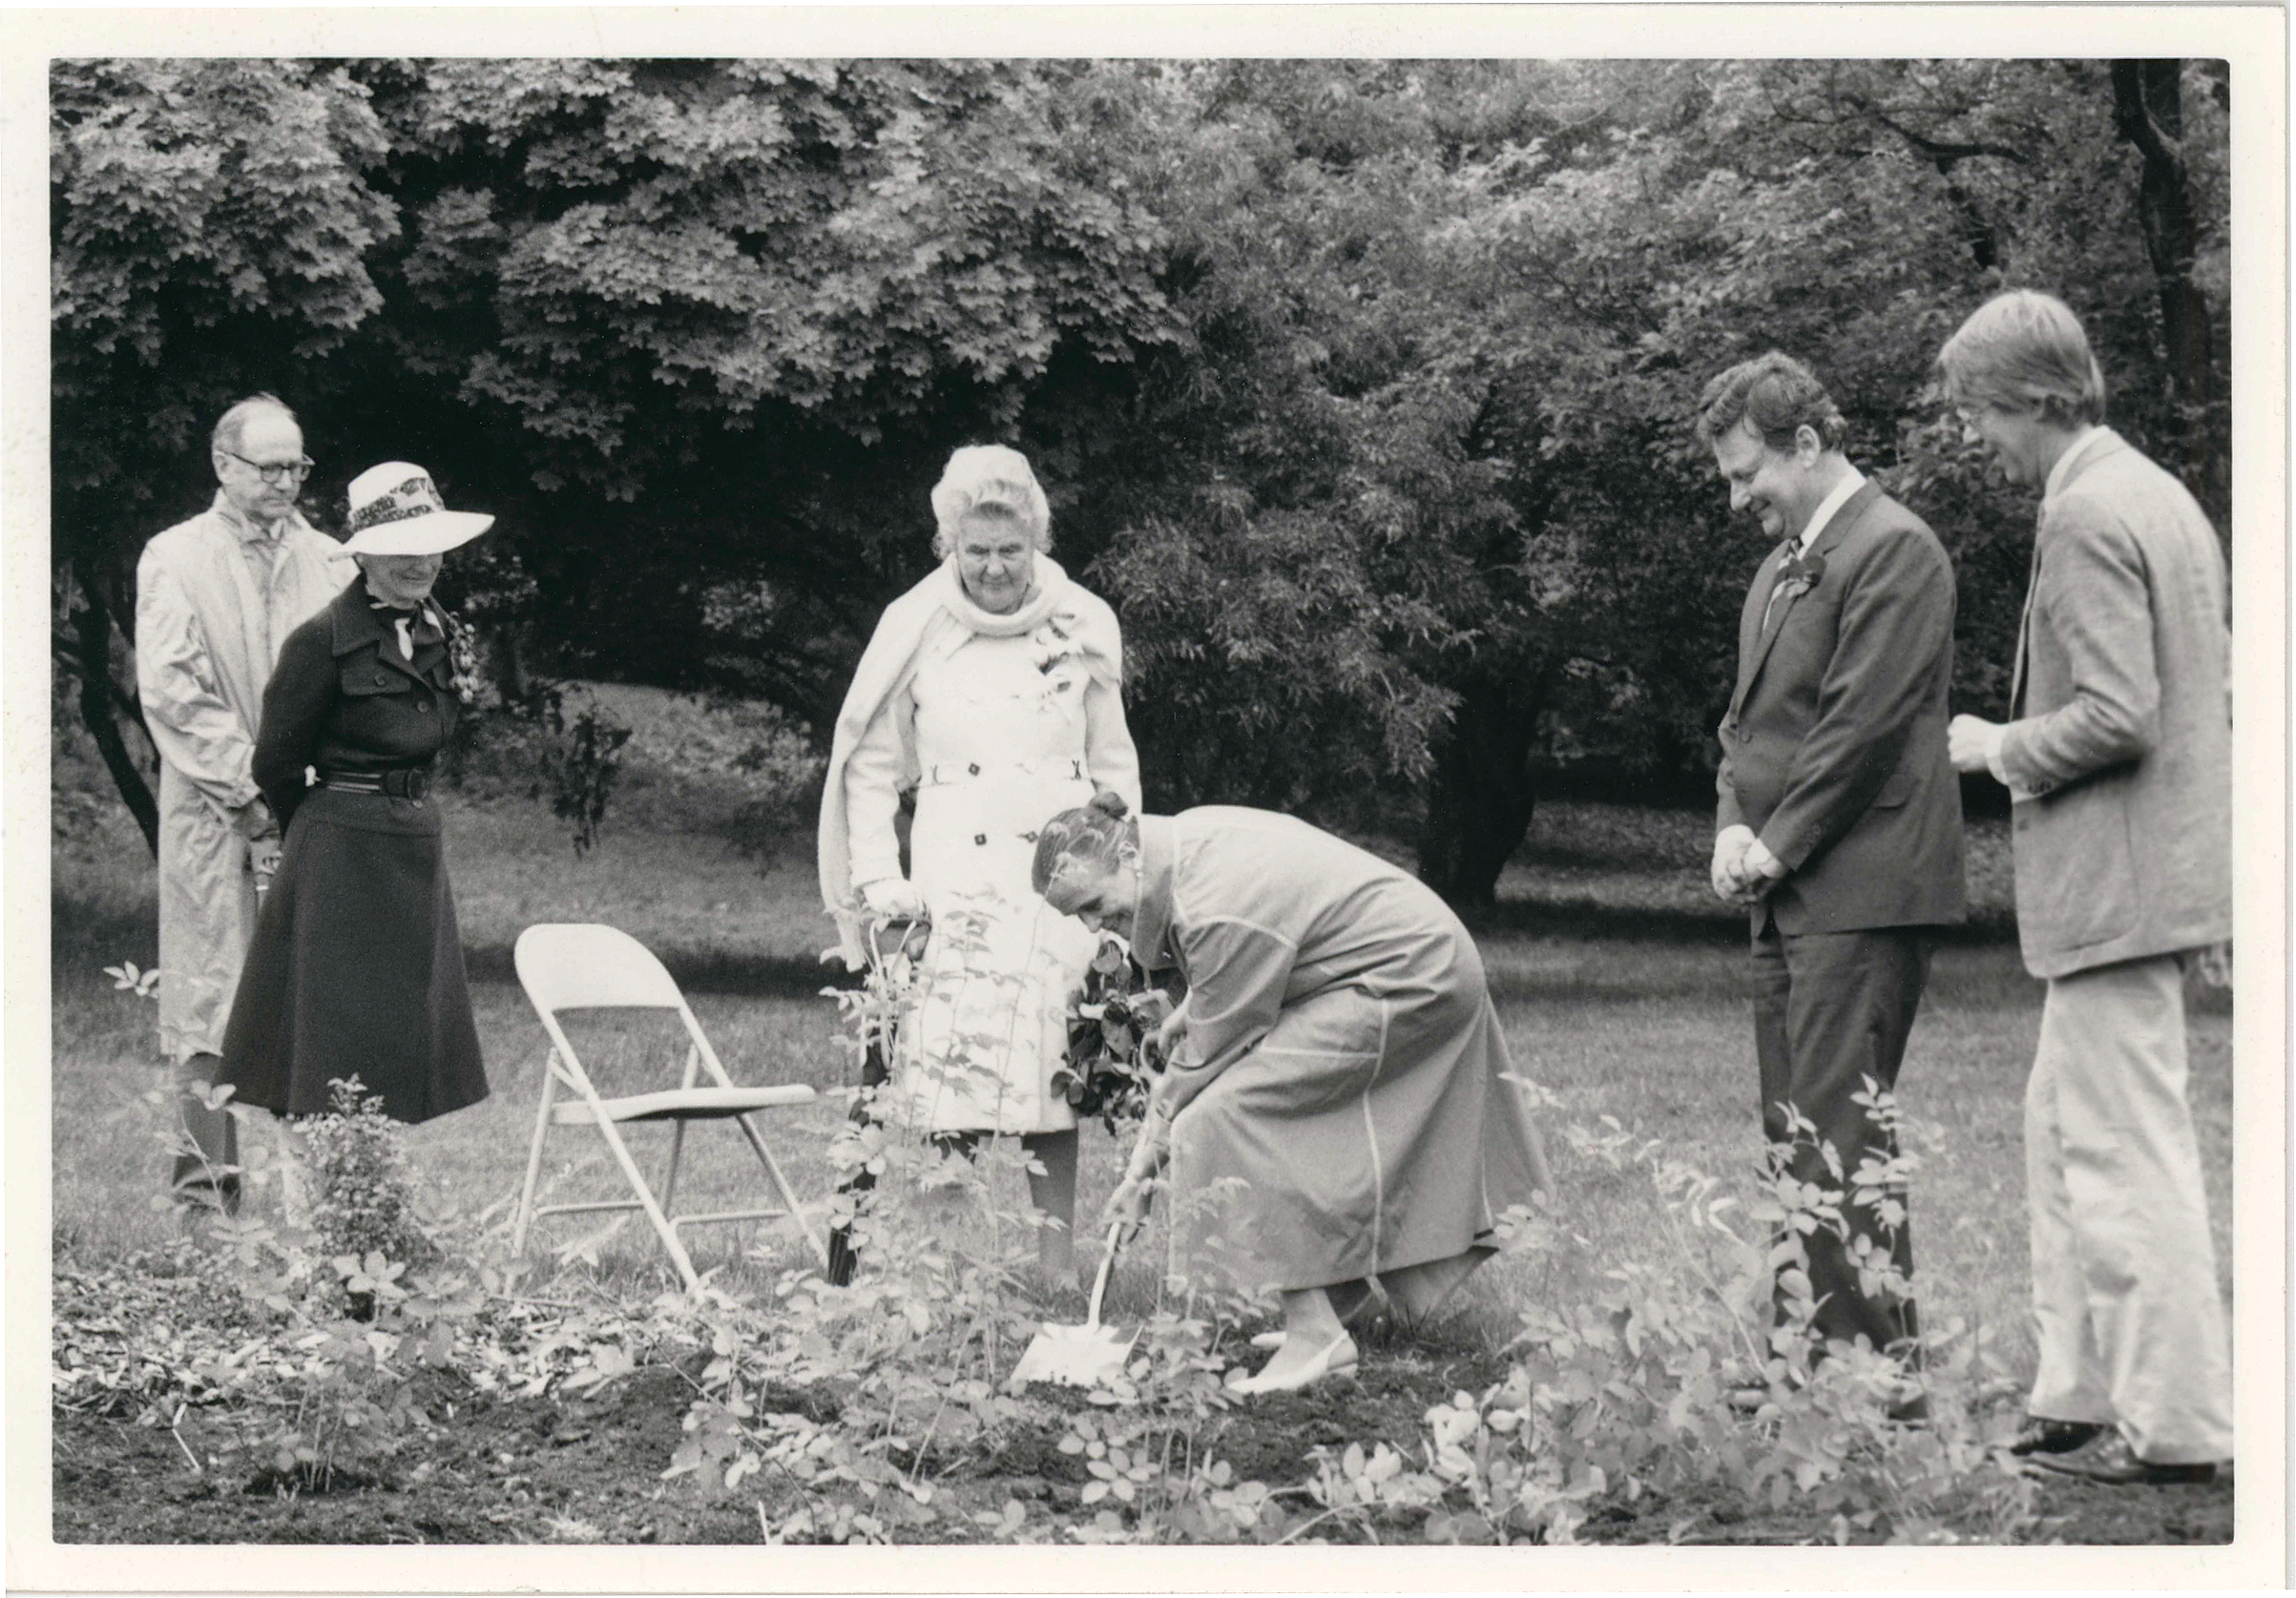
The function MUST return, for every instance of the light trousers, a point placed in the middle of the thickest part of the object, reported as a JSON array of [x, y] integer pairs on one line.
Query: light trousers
[[2131, 1322]]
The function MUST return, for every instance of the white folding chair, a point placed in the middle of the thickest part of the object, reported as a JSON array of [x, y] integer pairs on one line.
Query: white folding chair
[[567, 967]]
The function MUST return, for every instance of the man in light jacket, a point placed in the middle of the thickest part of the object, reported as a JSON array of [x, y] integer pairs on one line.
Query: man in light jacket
[[2117, 758], [215, 598]]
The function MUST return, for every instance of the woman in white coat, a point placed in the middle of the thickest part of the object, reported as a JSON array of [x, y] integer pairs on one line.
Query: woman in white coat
[[994, 689]]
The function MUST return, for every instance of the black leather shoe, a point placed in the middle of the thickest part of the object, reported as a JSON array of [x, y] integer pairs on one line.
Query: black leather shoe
[[2040, 1434], [221, 1193], [2113, 1463]]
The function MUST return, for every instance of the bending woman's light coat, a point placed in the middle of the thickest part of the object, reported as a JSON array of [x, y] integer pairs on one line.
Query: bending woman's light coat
[[1343, 1078]]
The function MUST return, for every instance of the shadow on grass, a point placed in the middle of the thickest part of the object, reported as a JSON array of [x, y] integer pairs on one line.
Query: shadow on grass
[[87, 937], [1720, 927], [725, 972], [97, 935]]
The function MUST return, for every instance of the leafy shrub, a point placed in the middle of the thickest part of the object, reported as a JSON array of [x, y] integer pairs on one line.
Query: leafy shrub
[[362, 1204], [535, 747], [1670, 1391], [1110, 1039], [739, 769], [579, 763]]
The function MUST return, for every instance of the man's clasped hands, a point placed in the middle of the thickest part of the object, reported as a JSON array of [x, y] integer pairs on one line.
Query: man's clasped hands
[[1743, 868]]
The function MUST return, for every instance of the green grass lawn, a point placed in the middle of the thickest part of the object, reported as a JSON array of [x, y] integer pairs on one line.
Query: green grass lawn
[[1615, 974]]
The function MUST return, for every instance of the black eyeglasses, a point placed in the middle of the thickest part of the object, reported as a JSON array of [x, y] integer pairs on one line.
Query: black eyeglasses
[[279, 473]]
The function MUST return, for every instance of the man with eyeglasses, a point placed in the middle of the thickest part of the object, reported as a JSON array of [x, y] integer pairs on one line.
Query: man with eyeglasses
[[215, 598]]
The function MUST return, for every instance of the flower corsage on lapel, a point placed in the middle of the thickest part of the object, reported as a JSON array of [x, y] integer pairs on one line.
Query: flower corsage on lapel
[[1055, 653], [1797, 577], [461, 658]]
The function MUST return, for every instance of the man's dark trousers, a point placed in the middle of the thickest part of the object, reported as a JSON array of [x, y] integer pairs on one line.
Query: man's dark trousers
[[1831, 1009]]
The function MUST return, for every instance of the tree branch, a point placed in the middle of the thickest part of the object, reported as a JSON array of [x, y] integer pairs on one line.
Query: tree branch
[[1945, 153], [2133, 118]]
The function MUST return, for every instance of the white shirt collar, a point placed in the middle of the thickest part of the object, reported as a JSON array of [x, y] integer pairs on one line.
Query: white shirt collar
[[2064, 470], [1826, 507]]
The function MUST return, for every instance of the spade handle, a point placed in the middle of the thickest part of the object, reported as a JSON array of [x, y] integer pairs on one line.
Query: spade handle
[[1108, 1257]]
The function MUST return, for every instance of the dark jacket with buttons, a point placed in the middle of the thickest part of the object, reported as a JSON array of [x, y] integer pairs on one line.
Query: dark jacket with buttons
[[344, 699], [1834, 747]]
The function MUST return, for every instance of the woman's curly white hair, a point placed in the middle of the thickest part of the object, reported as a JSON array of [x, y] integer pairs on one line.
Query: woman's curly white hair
[[982, 475]]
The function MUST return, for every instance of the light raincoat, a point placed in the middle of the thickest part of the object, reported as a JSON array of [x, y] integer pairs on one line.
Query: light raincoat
[[1344, 1099], [1002, 722], [214, 602]]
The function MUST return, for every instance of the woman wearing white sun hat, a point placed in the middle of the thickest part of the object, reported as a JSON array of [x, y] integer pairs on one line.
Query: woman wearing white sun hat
[[357, 961]]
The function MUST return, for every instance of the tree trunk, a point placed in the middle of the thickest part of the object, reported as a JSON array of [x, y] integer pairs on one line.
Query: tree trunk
[[507, 656], [2148, 112], [1480, 802], [100, 700]]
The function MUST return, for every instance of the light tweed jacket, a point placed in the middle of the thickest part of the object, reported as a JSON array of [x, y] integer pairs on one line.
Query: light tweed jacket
[[2120, 750]]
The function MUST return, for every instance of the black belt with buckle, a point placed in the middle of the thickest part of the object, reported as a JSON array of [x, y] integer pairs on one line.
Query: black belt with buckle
[[408, 782]]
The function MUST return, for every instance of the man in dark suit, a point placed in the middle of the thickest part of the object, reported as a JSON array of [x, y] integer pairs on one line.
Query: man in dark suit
[[1840, 817]]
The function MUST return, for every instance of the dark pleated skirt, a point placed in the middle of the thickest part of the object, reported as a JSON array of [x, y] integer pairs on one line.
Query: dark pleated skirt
[[357, 967]]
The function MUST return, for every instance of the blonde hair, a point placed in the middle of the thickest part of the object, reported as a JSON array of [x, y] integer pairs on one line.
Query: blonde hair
[[992, 480], [2026, 353]]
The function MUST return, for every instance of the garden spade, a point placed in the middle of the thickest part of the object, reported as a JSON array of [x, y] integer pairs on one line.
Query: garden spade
[[1079, 1356]]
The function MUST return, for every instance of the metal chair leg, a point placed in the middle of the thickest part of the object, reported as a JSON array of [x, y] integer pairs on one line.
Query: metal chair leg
[[533, 1157], [669, 1180], [653, 1213], [781, 1183]]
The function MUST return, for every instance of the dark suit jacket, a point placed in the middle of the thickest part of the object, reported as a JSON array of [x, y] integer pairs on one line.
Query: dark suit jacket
[[343, 698], [1834, 749]]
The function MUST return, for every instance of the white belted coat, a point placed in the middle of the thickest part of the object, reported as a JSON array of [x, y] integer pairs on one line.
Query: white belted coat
[[1002, 730]]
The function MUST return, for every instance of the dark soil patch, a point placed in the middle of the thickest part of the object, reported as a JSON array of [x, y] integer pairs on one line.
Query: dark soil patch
[[1271, 1439], [542, 1470], [521, 1470], [2074, 1511], [2070, 1513]]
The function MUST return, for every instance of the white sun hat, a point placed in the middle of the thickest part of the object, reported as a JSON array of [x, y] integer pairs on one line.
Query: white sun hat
[[396, 510]]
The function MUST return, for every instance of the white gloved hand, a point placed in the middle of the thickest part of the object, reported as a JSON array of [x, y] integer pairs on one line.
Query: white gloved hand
[[892, 898], [1730, 846]]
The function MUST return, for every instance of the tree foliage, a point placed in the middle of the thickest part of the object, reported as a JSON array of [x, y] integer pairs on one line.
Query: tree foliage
[[1362, 387], [211, 230]]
